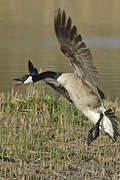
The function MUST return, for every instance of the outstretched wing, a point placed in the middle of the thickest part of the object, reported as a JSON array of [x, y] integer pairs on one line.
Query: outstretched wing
[[75, 49], [32, 70]]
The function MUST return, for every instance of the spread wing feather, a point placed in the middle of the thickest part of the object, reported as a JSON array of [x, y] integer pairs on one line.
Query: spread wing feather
[[32, 69], [75, 49]]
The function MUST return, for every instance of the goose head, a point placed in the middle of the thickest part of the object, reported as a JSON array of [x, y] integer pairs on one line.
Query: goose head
[[26, 79]]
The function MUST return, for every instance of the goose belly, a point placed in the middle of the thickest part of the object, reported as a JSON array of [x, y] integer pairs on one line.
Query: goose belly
[[84, 101], [79, 93]]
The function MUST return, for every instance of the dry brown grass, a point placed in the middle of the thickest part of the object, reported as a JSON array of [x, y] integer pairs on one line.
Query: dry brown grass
[[45, 138]]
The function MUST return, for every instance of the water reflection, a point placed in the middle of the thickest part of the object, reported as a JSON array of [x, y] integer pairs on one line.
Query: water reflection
[[103, 42]]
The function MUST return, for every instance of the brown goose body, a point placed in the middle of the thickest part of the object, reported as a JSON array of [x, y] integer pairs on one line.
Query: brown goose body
[[82, 85]]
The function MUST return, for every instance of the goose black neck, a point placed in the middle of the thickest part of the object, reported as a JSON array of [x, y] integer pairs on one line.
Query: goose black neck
[[44, 75]]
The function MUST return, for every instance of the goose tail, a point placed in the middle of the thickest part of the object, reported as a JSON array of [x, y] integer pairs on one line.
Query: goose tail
[[109, 125]]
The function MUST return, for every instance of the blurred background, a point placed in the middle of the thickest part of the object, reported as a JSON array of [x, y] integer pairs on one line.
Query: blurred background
[[27, 33]]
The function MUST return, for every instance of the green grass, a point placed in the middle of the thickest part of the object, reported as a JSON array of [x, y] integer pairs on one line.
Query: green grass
[[43, 137]]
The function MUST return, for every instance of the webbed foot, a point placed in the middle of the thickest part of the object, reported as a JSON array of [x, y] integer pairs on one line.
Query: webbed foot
[[96, 132]]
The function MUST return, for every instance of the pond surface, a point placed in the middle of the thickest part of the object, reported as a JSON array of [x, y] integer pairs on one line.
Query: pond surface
[[27, 32]]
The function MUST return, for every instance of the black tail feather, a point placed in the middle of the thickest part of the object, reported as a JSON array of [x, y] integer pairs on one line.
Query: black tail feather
[[112, 117]]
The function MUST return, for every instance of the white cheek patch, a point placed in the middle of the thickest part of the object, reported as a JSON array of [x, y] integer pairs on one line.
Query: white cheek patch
[[28, 80]]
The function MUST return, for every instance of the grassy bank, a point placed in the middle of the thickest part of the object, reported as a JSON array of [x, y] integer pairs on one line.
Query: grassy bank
[[42, 137]]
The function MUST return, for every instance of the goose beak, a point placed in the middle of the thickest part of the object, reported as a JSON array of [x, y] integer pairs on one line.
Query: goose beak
[[21, 80], [17, 81], [26, 79]]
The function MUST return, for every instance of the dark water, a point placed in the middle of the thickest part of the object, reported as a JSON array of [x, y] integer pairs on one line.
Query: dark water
[[26, 32]]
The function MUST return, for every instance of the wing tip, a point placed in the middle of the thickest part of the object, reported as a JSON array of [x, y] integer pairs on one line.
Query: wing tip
[[64, 28]]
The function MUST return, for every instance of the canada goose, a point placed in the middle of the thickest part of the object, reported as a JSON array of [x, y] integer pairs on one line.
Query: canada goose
[[80, 87]]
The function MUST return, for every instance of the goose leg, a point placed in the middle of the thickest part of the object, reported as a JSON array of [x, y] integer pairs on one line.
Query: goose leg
[[96, 133]]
